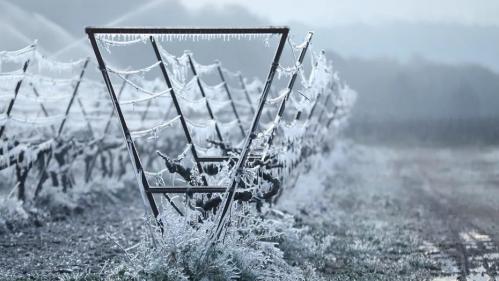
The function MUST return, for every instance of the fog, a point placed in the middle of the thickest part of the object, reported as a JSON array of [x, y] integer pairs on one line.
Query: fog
[[435, 70]]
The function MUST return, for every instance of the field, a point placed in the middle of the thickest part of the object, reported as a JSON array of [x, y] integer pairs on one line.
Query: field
[[174, 169], [367, 212]]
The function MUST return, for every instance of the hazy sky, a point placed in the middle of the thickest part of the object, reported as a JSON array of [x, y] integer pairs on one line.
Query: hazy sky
[[337, 12]]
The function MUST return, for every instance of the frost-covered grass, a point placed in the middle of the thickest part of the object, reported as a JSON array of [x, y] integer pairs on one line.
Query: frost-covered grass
[[354, 207], [344, 220], [12, 213], [328, 227], [53, 204], [102, 191], [250, 250]]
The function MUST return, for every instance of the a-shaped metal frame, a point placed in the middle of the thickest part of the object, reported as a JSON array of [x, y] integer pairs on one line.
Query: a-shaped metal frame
[[136, 162]]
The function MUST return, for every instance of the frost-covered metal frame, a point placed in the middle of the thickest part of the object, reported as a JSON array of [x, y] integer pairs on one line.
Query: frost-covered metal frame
[[146, 189]]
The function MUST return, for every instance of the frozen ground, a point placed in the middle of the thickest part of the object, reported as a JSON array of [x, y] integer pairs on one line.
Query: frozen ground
[[387, 213]]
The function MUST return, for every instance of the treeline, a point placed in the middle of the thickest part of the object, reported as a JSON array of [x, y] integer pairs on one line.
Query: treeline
[[423, 101]]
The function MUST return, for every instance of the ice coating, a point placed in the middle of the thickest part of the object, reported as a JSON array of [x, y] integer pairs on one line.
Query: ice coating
[[133, 71], [123, 39], [155, 129], [148, 108], [164, 93]]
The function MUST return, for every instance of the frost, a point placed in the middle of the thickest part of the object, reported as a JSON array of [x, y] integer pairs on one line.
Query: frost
[[154, 130], [134, 71], [251, 252], [11, 213], [37, 122], [282, 95], [123, 39], [18, 56], [255, 243], [201, 130], [148, 98], [46, 64]]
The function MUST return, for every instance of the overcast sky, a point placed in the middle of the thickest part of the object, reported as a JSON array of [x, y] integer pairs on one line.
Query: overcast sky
[[338, 12]]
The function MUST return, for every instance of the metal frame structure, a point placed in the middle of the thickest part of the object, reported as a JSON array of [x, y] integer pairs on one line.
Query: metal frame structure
[[136, 161]]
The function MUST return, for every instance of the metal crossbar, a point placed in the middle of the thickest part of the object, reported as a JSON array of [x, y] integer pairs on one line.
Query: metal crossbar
[[226, 158], [186, 30], [186, 189]]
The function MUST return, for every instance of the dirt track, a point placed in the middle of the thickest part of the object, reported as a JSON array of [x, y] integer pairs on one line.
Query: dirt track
[[459, 188], [395, 214]]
